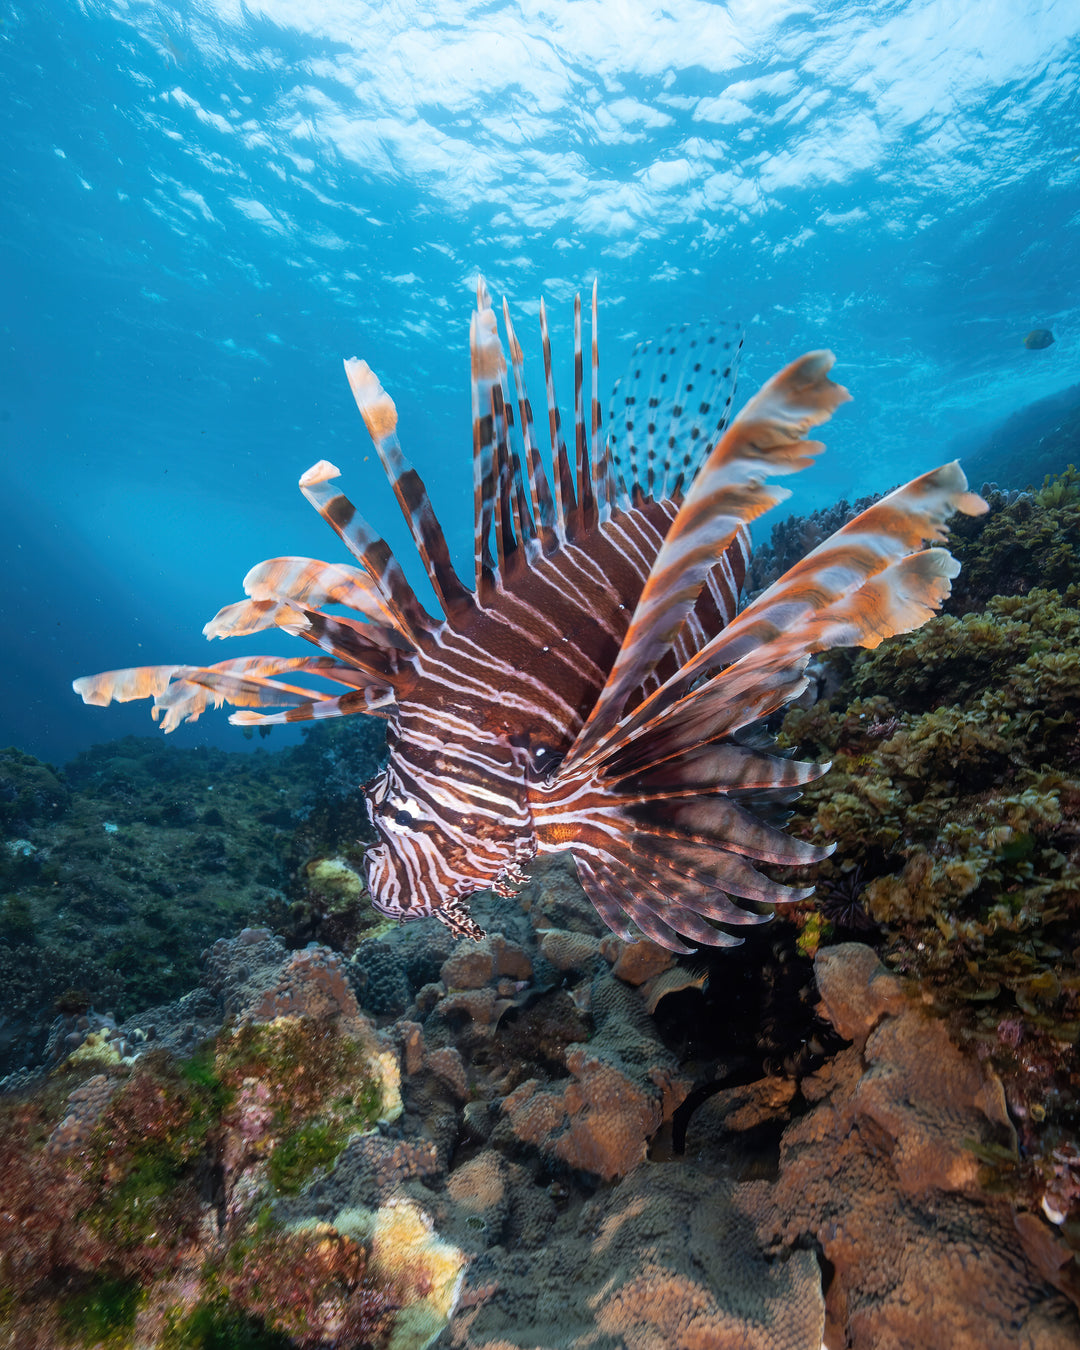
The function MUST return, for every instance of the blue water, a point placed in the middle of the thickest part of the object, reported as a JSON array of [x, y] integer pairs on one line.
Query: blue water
[[206, 206]]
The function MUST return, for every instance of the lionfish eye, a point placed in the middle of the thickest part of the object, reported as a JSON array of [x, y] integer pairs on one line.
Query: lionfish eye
[[403, 818], [545, 760]]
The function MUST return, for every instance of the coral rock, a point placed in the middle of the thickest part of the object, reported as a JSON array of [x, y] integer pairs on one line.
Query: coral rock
[[472, 965], [665, 1261], [881, 1175], [856, 989], [636, 962], [600, 1122], [311, 983]]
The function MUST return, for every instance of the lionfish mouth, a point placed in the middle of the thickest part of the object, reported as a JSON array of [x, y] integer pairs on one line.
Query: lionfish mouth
[[598, 688]]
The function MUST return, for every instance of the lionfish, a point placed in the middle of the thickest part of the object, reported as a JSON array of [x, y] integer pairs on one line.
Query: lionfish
[[598, 690]]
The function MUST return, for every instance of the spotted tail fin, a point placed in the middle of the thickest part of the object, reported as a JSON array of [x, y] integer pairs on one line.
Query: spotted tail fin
[[672, 404]]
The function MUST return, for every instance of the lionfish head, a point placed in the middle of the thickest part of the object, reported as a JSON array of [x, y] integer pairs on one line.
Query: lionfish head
[[438, 842]]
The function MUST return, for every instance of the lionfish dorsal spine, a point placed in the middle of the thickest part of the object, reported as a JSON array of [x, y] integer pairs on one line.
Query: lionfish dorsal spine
[[483, 452], [565, 503], [610, 490], [586, 494], [380, 417], [543, 507]]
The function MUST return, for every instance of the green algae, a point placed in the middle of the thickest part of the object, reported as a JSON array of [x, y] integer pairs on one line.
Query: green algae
[[149, 1145], [315, 1146], [102, 1313], [1028, 539], [217, 1326], [306, 1065]]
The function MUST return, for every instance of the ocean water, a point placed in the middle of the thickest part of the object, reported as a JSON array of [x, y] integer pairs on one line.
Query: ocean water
[[206, 206]]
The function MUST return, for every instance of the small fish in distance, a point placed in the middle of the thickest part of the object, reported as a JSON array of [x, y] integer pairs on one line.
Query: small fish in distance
[[596, 690]]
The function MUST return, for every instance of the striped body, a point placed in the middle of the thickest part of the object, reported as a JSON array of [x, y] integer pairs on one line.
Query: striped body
[[596, 690]]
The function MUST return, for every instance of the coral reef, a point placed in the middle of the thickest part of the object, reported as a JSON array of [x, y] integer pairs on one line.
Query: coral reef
[[150, 1184], [954, 806], [883, 1175], [118, 872], [556, 1138]]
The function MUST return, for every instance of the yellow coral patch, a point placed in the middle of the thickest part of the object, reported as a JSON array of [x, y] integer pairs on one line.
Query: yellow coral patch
[[424, 1271]]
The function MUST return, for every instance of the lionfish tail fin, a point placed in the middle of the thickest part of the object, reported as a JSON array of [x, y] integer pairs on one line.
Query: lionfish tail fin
[[674, 852], [380, 417], [670, 407], [730, 491]]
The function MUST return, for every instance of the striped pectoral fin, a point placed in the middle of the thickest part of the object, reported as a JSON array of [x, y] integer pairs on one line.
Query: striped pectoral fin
[[729, 492], [372, 700], [899, 599], [313, 584], [639, 902], [744, 693], [740, 768], [605, 898], [251, 687], [124, 686], [661, 905], [883, 542], [771, 673], [671, 864], [182, 693], [257, 616], [394, 598], [868, 581]]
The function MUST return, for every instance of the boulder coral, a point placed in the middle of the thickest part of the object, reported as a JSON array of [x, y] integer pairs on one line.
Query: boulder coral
[[883, 1175]]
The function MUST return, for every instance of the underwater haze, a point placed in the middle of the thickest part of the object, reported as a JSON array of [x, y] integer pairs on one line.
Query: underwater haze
[[208, 205]]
